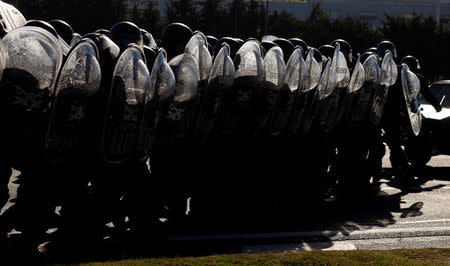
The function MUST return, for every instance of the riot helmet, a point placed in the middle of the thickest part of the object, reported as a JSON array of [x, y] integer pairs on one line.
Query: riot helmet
[[327, 50], [286, 46], [48, 27], [42, 24], [148, 39], [267, 45], [383, 46], [213, 41], [412, 63], [372, 49], [346, 48], [63, 29], [366, 55], [232, 42], [300, 42], [174, 38], [103, 31], [125, 33], [145, 37]]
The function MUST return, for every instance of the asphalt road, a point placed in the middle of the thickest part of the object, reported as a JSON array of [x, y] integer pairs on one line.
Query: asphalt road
[[393, 220]]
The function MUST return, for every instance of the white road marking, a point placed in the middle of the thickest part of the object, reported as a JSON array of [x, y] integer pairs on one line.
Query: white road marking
[[335, 235]]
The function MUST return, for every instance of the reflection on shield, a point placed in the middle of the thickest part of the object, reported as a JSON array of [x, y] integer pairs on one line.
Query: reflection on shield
[[179, 115], [34, 58], [277, 100], [357, 80], [247, 87], [388, 78], [411, 88], [361, 107], [161, 89], [219, 85], [78, 82], [131, 81], [295, 80]]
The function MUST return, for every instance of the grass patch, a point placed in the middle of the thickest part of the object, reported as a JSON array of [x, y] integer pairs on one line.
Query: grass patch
[[357, 257]]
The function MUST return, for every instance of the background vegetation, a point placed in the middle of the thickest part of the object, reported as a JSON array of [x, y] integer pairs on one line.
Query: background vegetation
[[417, 35]]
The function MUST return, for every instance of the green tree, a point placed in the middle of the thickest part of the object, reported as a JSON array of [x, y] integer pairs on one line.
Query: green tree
[[151, 19], [211, 16], [184, 11]]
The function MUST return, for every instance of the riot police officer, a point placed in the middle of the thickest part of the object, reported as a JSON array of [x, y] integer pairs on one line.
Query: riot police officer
[[174, 38], [414, 66]]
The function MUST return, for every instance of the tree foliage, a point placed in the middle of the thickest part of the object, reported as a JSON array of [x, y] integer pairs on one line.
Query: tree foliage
[[415, 35]]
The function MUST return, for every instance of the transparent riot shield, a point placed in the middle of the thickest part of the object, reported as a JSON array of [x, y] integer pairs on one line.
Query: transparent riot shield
[[411, 88], [343, 80], [35, 57], [162, 88], [388, 78], [11, 17], [3, 58], [308, 99], [247, 83], [180, 115], [357, 80], [78, 82], [295, 80], [121, 130], [220, 82], [198, 47], [360, 110], [279, 98], [330, 96], [29, 77], [300, 121]]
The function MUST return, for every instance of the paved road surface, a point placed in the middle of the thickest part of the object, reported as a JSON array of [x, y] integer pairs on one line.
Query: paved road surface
[[418, 219]]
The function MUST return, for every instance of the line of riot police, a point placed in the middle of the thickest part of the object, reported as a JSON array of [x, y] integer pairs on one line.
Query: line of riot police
[[116, 129]]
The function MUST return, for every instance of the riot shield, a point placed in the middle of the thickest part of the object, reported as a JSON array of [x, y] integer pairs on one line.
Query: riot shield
[[307, 96], [411, 88], [357, 80], [11, 17], [278, 99], [220, 82], [3, 58], [78, 82], [360, 110], [248, 79], [342, 79], [197, 47], [34, 58], [388, 78], [295, 79], [179, 116], [162, 88], [327, 98], [121, 129]]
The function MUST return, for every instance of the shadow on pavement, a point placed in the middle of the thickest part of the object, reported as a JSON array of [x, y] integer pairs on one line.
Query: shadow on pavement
[[227, 222]]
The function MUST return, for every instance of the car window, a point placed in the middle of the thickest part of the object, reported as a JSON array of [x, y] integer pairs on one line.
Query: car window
[[441, 92]]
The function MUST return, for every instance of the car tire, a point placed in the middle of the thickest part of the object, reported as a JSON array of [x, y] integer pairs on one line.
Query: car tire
[[419, 153]]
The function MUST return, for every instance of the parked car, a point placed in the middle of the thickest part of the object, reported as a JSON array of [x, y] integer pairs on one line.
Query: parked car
[[434, 136]]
